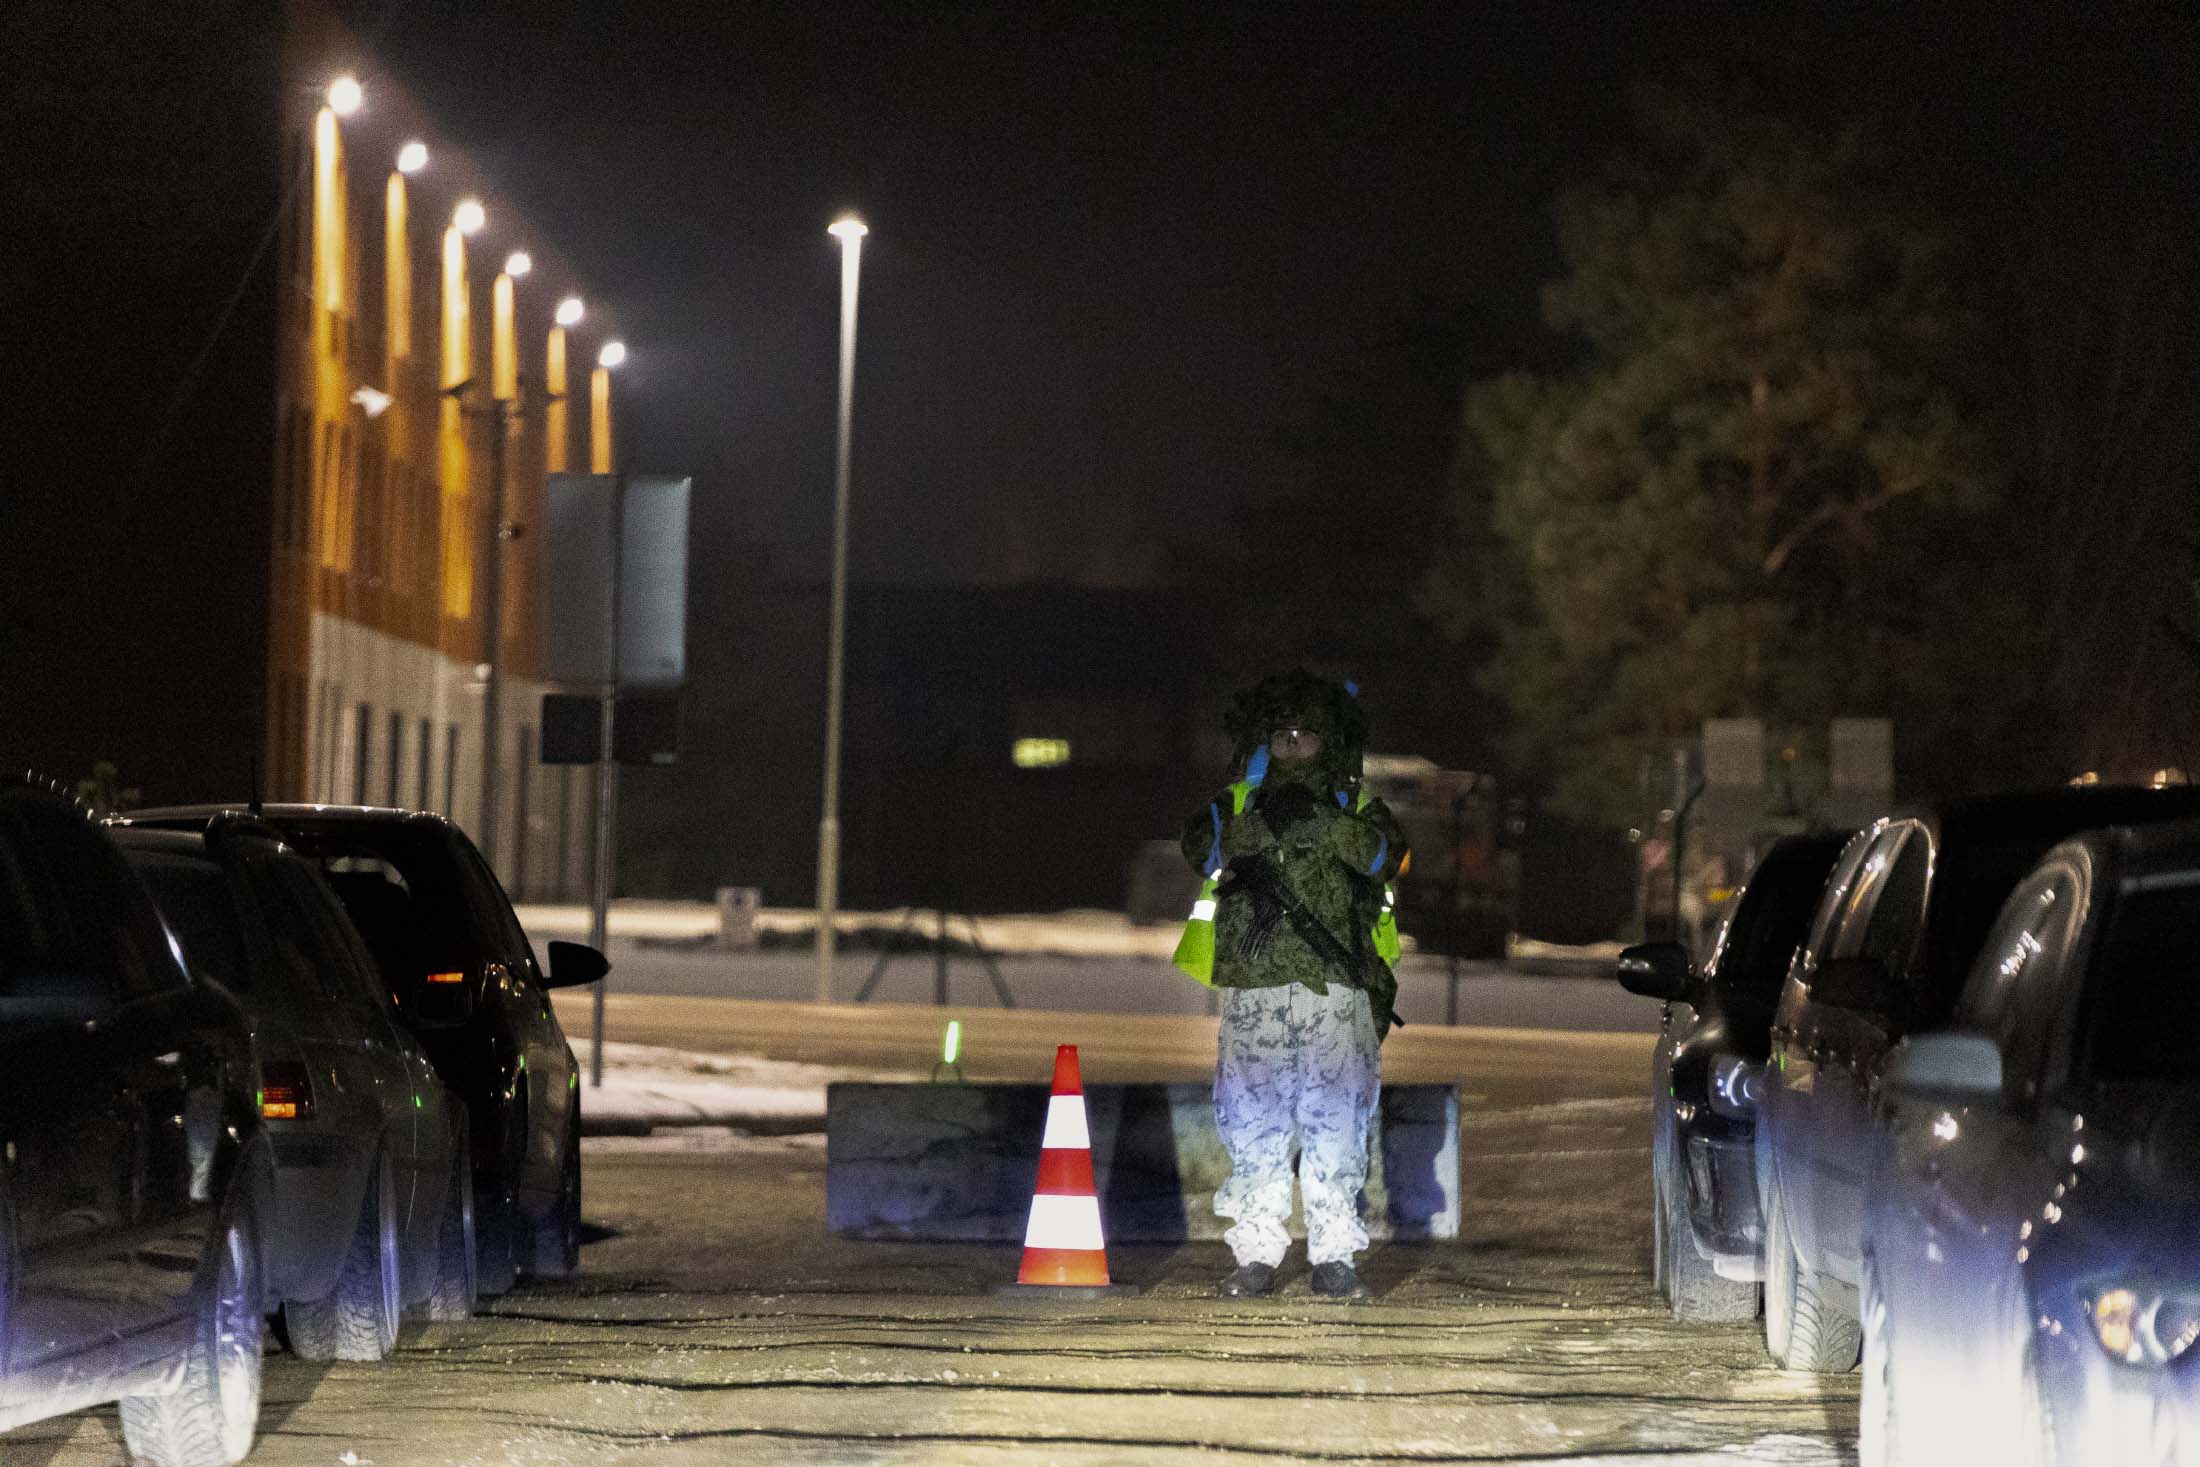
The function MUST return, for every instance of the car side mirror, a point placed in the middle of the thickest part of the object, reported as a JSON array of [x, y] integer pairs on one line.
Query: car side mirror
[[1945, 1068], [1658, 970], [573, 964], [1861, 984]]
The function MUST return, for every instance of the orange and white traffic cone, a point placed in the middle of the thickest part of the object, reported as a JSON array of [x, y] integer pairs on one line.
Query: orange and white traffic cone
[[1064, 1250]]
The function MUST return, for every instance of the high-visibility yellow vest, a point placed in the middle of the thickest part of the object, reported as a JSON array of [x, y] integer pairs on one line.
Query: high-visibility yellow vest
[[1195, 950]]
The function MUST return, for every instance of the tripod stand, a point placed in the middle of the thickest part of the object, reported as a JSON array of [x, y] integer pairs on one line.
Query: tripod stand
[[939, 957]]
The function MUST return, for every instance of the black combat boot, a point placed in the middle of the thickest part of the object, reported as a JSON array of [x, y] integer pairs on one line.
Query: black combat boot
[[1336, 1280], [1250, 1281]]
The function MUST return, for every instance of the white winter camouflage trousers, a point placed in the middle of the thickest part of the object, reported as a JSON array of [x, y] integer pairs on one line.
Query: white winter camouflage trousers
[[1297, 1070]]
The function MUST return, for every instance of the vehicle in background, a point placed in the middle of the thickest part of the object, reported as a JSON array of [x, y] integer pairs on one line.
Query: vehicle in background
[[1707, 1236], [2032, 1229], [373, 1185], [465, 981], [1459, 890], [1901, 919], [135, 1188]]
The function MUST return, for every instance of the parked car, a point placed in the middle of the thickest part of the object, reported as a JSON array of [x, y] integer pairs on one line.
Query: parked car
[[2032, 1231], [1900, 921], [373, 1180], [465, 981], [135, 1188], [1707, 1237]]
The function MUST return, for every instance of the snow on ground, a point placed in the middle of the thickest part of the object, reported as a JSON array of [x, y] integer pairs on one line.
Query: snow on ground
[[646, 1087], [1080, 933]]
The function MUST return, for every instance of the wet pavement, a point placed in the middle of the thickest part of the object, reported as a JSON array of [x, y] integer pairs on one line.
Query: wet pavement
[[714, 1321]]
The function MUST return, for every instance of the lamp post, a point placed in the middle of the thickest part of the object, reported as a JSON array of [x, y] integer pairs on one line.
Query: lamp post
[[849, 230], [612, 354], [504, 405]]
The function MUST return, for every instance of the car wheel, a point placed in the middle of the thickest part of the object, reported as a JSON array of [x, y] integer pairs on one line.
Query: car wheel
[[558, 1238], [1699, 1294], [456, 1259], [211, 1420], [1878, 1439], [1805, 1325], [358, 1319]]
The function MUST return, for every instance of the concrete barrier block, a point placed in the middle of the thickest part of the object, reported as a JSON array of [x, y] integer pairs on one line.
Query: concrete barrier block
[[956, 1163]]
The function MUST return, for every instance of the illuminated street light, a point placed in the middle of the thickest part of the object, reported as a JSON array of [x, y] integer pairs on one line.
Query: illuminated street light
[[518, 263], [569, 311], [412, 157], [371, 400], [469, 216], [344, 95], [612, 355], [849, 230]]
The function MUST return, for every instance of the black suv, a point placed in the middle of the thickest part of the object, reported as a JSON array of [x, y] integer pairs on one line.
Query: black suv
[[465, 981], [134, 1178], [1902, 917], [373, 1185], [1707, 1235]]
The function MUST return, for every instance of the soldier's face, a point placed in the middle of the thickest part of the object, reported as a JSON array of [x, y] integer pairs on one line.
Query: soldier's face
[[1290, 744]]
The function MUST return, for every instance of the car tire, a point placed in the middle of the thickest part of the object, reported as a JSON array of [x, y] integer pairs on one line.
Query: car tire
[[1805, 1326], [457, 1257], [1698, 1292], [358, 1320], [558, 1237], [211, 1419]]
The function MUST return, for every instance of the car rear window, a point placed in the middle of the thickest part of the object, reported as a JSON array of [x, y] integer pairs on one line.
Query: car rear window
[[2142, 1005], [412, 898]]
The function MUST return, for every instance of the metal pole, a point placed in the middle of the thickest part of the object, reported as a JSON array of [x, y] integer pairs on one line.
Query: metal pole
[[492, 631], [607, 785], [828, 827]]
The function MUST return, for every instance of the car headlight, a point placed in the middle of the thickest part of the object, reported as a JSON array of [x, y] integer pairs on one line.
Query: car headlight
[[2141, 1327]]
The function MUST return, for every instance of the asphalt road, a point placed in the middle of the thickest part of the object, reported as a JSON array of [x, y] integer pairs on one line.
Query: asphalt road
[[714, 1321], [1559, 995]]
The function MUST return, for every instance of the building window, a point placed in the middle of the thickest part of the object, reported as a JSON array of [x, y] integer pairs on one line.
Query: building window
[[363, 746], [522, 767], [397, 747], [427, 763], [450, 770], [1039, 753]]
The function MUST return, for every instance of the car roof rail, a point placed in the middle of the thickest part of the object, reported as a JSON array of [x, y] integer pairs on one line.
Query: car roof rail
[[44, 783]]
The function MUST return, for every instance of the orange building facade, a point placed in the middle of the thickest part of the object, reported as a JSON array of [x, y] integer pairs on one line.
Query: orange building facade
[[417, 328]]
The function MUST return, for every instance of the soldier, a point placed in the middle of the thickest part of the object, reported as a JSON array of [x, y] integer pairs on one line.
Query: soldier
[[1294, 924]]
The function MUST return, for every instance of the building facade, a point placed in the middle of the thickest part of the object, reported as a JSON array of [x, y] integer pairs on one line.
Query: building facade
[[425, 387]]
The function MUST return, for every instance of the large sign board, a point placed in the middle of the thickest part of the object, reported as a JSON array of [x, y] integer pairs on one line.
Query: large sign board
[[647, 525]]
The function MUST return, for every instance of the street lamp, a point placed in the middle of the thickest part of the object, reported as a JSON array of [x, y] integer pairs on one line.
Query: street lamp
[[469, 216], [599, 406], [849, 230], [412, 157], [569, 311], [345, 95], [518, 263]]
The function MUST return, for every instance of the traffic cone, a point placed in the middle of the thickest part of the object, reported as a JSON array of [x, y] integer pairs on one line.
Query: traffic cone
[[1063, 1247]]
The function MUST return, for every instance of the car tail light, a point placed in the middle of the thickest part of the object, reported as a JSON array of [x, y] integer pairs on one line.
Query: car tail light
[[452, 977], [286, 1093]]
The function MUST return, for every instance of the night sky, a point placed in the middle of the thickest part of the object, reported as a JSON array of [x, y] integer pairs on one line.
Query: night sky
[[1117, 250], [1113, 252]]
